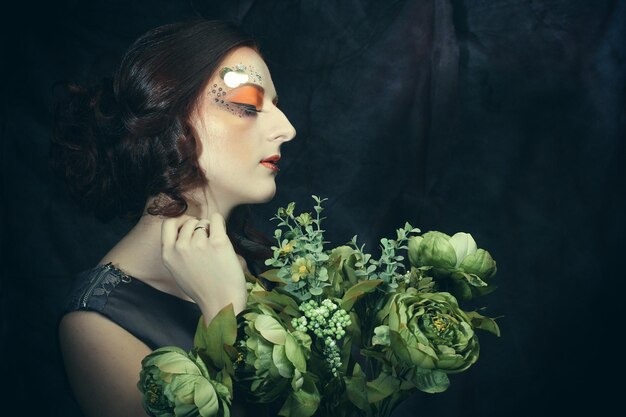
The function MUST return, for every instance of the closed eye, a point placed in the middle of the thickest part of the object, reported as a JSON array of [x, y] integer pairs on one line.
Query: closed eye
[[248, 109], [248, 94]]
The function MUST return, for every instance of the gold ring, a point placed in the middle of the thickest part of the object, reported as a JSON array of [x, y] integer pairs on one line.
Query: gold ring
[[206, 229]]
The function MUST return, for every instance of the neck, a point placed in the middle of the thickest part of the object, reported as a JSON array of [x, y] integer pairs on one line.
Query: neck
[[202, 203], [139, 252]]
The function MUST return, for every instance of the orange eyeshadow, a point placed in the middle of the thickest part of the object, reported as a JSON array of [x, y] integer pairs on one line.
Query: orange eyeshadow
[[246, 94]]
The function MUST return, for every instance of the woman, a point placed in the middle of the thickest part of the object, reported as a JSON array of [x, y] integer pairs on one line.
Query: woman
[[187, 132]]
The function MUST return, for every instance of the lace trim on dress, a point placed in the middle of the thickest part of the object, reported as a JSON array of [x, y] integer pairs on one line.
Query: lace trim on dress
[[104, 282]]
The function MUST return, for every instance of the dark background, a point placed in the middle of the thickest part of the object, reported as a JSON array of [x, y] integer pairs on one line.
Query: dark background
[[500, 118]]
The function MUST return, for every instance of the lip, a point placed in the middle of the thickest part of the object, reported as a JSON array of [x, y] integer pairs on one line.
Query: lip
[[270, 162]]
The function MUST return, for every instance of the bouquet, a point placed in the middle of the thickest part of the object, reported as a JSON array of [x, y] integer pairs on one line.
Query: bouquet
[[333, 332]]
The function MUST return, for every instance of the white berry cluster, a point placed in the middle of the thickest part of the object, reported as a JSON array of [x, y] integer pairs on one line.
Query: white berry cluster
[[328, 322]]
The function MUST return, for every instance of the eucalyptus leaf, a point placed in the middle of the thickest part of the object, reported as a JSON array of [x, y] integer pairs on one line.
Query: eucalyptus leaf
[[316, 291]]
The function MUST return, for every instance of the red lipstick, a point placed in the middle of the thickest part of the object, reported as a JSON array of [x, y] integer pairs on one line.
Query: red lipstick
[[270, 162]]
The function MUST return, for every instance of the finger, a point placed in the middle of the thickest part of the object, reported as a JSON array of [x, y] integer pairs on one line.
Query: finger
[[218, 227], [244, 264], [201, 231], [185, 232]]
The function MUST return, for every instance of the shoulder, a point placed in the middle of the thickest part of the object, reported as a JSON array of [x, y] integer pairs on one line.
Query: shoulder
[[152, 316], [92, 287], [103, 362]]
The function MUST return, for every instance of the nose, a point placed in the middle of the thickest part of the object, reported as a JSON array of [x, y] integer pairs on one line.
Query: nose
[[282, 129]]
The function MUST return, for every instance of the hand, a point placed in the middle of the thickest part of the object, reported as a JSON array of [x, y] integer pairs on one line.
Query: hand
[[205, 267]]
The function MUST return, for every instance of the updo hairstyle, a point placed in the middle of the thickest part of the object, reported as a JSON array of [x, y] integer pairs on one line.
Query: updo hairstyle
[[120, 142]]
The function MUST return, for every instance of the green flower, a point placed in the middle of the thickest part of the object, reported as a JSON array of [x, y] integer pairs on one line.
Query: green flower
[[275, 358], [456, 258], [479, 263], [175, 383], [287, 247], [304, 219], [432, 249], [428, 330], [302, 268]]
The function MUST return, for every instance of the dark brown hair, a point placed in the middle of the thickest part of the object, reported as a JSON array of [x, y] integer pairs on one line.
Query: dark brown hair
[[127, 139]]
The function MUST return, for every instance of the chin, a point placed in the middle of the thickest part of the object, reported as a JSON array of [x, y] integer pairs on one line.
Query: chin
[[262, 195]]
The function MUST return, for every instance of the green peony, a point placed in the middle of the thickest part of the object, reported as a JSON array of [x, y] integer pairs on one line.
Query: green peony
[[174, 383], [275, 358], [428, 331], [455, 258]]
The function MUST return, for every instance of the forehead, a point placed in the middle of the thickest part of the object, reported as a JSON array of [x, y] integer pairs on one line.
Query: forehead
[[251, 62]]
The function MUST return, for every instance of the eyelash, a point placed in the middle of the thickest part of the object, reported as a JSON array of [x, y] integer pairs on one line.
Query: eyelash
[[248, 109]]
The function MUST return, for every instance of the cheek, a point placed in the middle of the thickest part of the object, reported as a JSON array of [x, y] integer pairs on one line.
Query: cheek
[[225, 151]]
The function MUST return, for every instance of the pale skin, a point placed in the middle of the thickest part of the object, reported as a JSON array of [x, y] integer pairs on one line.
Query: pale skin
[[102, 359]]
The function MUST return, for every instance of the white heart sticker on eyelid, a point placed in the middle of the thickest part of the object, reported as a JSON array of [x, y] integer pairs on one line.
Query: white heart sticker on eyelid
[[234, 79]]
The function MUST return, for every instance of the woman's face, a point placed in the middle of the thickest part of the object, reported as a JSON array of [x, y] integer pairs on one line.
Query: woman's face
[[239, 127]]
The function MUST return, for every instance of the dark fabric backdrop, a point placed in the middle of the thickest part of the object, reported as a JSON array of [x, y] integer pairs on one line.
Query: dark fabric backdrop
[[501, 118]]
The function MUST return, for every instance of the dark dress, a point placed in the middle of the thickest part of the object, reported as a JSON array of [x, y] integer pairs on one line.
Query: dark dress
[[154, 317]]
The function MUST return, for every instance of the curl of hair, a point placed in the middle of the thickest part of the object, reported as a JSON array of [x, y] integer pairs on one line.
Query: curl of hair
[[128, 139]]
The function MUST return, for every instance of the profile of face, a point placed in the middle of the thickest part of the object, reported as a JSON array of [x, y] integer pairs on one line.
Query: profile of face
[[241, 130]]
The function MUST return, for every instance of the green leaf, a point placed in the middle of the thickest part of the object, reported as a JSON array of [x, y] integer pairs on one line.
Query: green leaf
[[302, 403], [473, 280], [272, 276], [349, 271], [399, 348], [270, 329], [225, 386], [430, 380], [356, 291], [379, 356], [382, 387], [315, 291], [461, 289], [297, 380], [221, 331], [285, 368], [484, 323], [294, 353], [356, 389], [276, 301], [381, 336]]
